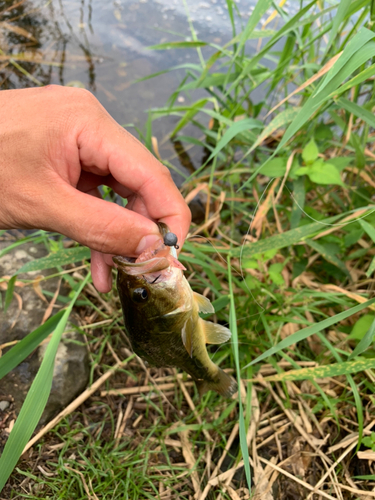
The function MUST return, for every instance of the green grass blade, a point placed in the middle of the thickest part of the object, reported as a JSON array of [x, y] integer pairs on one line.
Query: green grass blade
[[289, 26], [279, 121], [286, 239], [261, 8], [371, 268], [331, 370], [192, 111], [9, 292], [178, 45], [60, 258], [358, 405], [361, 77], [370, 230], [364, 343], [20, 351], [35, 401], [233, 329], [355, 45], [359, 111], [310, 330], [353, 57], [232, 131], [328, 255], [299, 195], [343, 7]]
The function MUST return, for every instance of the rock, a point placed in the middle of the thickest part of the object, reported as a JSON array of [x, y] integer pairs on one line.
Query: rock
[[25, 314], [4, 405]]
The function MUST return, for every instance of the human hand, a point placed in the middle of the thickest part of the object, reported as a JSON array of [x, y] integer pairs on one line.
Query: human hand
[[57, 145]]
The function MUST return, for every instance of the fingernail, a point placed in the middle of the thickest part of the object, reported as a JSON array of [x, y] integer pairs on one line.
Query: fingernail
[[146, 242]]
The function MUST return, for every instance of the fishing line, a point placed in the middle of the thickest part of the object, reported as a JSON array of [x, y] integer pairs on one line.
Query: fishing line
[[338, 224], [256, 209]]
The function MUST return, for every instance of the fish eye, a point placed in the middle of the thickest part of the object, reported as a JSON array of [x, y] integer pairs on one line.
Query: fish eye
[[140, 295]]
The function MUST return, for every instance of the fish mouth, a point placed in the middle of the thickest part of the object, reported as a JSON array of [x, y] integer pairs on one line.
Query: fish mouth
[[134, 268], [149, 262], [157, 258]]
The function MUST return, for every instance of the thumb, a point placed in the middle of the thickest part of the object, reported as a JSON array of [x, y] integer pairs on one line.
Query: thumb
[[101, 225]]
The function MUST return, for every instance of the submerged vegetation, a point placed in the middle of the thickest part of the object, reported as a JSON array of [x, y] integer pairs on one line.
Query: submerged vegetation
[[284, 248]]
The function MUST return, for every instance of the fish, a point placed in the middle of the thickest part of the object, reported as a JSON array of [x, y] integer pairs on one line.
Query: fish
[[162, 321]]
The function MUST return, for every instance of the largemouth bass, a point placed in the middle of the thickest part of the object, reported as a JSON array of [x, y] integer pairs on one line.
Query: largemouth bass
[[161, 314]]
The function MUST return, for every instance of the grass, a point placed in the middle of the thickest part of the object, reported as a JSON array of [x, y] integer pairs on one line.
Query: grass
[[285, 252]]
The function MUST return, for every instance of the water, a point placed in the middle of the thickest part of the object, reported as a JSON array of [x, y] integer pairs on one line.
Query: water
[[102, 46]]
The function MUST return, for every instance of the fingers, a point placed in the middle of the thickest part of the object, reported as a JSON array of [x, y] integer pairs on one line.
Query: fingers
[[101, 225], [101, 272], [107, 148]]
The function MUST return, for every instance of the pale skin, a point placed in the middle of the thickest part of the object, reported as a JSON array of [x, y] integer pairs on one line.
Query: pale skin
[[57, 145]]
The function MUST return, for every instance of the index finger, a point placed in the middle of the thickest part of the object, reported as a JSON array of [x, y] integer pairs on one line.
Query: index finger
[[113, 150]]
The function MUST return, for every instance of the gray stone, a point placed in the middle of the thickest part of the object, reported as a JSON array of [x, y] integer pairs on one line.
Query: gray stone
[[4, 405], [24, 315]]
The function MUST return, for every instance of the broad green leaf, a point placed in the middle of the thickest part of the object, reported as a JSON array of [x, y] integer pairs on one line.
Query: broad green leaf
[[60, 258], [324, 173], [341, 162], [364, 343], [275, 275], [310, 330], [35, 401], [331, 370], [275, 168], [361, 327], [310, 152], [26, 346]]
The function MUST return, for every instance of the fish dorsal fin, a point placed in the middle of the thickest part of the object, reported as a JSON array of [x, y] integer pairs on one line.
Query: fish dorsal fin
[[214, 333], [187, 335], [204, 304]]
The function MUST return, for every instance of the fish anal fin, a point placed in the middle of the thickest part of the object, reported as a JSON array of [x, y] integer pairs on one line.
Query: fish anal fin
[[214, 333], [187, 336], [204, 304], [225, 385]]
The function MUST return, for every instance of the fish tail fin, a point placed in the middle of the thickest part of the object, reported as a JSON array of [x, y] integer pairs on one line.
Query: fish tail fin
[[225, 385]]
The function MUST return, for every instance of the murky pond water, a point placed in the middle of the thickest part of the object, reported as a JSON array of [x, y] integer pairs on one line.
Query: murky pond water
[[102, 45]]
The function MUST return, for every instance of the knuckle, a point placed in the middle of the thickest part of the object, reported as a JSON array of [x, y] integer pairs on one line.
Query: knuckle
[[103, 236]]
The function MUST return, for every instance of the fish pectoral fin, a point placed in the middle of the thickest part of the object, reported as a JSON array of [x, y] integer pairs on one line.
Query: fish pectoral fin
[[182, 309], [187, 336], [214, 333], [204, 304]]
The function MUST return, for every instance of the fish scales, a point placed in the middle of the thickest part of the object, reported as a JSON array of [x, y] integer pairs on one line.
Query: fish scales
[[161, 316]]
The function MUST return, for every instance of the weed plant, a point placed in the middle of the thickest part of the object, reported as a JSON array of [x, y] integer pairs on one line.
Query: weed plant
[[285, 251]]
